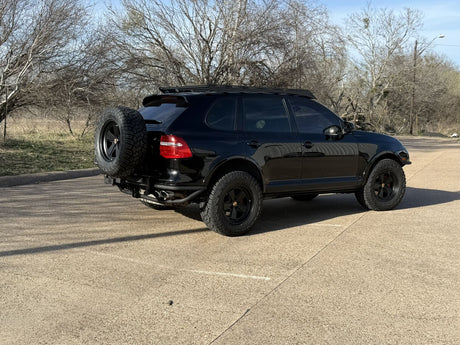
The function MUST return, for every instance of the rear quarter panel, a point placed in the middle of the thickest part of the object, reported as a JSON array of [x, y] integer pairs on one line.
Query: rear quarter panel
[[210, 147]]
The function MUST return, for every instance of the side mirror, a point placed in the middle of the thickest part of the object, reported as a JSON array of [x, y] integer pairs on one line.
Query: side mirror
[[348, 127], [333, 132]]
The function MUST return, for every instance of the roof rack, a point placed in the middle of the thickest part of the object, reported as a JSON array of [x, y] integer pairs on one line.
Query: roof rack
[[237, 89]]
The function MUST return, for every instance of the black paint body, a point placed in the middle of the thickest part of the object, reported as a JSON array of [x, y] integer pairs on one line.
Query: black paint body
[[285, 160]]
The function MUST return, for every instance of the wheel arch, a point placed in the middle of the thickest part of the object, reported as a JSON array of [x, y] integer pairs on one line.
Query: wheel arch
[[235, 164], [393, 190], [376, 159]]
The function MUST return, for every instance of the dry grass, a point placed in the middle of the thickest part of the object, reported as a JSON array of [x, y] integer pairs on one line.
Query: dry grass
[[39, 145]]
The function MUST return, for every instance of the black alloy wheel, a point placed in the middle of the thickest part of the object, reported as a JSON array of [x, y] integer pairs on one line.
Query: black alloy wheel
[[233, 205], [385, 187], [120, 141], [110, 141], [237, 205]]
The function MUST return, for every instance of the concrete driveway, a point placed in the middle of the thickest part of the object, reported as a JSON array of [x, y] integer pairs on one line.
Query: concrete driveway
[[81, 263]]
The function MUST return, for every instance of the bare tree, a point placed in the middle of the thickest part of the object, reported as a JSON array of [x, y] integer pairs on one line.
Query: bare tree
[[34, 35], [219, 42], [436, 101], [81, 86], [191, 41], [51, 56], [378, 36]]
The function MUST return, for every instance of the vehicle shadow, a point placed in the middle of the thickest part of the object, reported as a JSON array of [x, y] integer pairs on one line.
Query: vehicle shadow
[[285, 213], [279, 214], [421, 197]]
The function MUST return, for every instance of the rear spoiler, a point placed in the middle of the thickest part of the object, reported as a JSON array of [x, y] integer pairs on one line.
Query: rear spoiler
[[157, 100]]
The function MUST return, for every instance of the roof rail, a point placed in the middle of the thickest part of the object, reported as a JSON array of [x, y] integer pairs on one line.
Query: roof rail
[[237, 89]]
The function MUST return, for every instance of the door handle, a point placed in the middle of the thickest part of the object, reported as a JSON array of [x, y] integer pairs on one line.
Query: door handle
[[308, 144], [254, 143]]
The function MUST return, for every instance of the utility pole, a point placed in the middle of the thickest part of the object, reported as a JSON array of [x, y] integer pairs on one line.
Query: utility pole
[[412, 99], [413, 114]]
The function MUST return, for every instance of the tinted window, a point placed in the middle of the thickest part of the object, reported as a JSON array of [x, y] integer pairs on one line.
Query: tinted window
[[165, 113], [222, 114], [312, 117], [265, 114]]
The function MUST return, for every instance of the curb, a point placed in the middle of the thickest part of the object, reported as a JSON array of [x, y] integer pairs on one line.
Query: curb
[[11, 181]]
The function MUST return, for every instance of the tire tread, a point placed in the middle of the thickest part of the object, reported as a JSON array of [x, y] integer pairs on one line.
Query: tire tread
[[133, 137], [365, 195], [210, 212]]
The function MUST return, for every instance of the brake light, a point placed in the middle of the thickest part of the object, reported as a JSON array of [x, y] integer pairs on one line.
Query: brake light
[[172, 146]]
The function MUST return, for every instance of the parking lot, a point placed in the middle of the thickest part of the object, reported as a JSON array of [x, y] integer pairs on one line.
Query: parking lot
[[82, 263]]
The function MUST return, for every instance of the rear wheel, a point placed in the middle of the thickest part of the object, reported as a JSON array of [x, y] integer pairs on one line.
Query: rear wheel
[[384, 188], [233, 205]]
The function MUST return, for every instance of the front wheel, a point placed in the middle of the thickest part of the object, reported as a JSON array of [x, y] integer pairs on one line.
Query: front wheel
[[384, 188], [233, 205]]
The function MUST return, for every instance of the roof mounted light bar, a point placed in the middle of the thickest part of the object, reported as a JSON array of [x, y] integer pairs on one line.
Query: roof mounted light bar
[[236, 89]]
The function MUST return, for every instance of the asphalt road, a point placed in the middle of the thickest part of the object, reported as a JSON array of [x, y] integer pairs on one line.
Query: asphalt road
[[81, 263]]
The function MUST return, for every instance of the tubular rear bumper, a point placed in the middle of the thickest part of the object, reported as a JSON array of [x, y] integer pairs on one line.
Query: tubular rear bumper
[[156, 193]]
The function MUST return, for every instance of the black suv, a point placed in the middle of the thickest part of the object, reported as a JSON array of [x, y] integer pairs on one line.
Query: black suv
[[227, 148]]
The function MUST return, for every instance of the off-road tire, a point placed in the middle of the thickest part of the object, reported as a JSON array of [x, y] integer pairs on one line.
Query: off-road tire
[[120, 141], [233, 205], [384, 188]]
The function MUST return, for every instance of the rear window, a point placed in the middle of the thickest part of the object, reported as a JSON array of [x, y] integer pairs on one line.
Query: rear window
[[161, 116]]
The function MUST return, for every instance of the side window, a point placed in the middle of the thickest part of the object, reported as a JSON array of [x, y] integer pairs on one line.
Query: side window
[[222, 114], [312, 117], [265, 114]]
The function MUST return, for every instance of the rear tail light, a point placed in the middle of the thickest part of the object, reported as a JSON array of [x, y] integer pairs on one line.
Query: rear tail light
[[172, 146]]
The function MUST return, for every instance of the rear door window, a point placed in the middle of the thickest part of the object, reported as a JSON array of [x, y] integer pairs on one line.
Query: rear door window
[[265, 114], [222, 114]]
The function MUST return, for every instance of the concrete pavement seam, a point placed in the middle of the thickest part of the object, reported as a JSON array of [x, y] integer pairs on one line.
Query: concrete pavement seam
[[288, 277], [308, 261]]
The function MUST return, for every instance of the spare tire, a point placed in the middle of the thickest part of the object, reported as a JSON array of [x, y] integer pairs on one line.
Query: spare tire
[[120, 141]]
